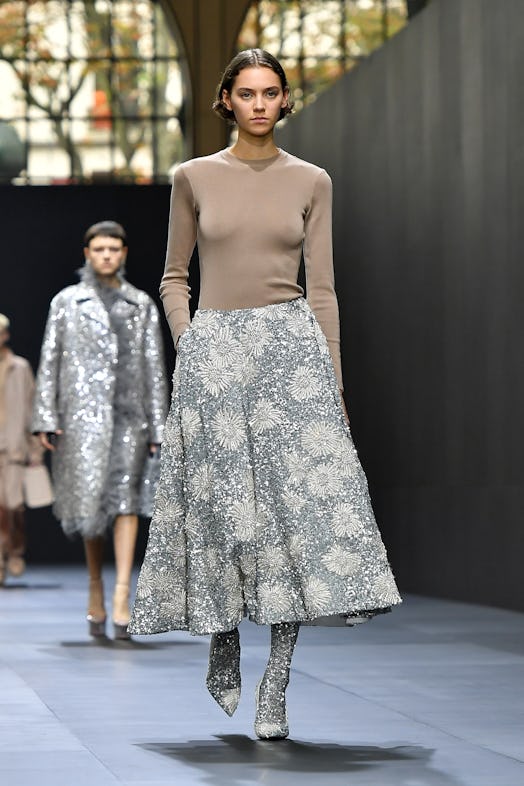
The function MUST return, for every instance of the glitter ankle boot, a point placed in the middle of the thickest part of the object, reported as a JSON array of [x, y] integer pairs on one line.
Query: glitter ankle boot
[[223, 675], [271, 722]]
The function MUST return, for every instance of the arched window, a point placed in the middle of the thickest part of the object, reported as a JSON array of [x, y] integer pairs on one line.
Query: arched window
[[92, 91], [318, 40]]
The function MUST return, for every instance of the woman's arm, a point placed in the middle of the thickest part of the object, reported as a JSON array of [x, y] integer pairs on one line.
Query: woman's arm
[[34, 448], [318, 259], [174, 289], [155, 377]]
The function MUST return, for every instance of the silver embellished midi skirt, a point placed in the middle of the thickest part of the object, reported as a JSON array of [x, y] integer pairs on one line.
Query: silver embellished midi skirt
[[262, 506]]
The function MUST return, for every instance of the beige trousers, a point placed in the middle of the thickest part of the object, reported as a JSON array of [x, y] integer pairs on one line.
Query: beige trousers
[[12, 524]]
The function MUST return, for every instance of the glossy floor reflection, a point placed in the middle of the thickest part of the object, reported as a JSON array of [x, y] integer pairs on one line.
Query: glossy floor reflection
[[430, 695]]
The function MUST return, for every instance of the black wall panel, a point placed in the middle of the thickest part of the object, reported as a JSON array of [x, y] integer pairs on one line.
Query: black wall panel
[[41, 248], [424, 144]]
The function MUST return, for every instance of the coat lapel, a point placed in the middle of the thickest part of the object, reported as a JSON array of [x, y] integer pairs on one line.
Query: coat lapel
[[91, 305]]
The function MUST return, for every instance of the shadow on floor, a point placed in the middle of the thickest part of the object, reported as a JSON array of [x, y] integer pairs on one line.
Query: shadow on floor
[[132, 644], [22, 585], [233, 759]]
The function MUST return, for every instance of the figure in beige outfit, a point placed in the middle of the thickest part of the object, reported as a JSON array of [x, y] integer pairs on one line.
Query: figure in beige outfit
[[17, 448]]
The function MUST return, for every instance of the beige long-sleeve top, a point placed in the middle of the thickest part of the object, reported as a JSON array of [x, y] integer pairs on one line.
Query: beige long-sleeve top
[[251, 219]]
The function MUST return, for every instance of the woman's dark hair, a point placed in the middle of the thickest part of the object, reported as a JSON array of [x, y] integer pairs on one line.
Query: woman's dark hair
[[105, 229], [247, 59]]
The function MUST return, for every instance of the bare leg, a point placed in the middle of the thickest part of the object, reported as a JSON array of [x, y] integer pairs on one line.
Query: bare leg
[[15, 559], [223, 675], [4, 517], [96, 613], [4, 534], [124, 538], [271, 716]]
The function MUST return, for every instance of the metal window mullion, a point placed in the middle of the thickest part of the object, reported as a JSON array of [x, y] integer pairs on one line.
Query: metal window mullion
[[301, 56], [385, 20], [112, 88], [282, 15], [154, 103], [343, 36], [259, 24], [27, 119], [69, 60]]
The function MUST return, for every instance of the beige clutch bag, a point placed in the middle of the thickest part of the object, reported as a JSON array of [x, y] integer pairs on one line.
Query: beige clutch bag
[[38, 491]]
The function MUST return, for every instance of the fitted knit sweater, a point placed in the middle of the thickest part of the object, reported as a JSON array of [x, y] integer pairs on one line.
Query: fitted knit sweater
[[251, 220]]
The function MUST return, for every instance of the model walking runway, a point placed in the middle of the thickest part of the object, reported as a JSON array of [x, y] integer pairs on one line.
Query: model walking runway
[[430, 695]]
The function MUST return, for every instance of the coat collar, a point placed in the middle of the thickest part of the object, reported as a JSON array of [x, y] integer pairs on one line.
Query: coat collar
[[87, 291]]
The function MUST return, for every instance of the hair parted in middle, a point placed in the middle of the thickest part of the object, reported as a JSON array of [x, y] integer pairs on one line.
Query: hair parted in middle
[[248, 58]]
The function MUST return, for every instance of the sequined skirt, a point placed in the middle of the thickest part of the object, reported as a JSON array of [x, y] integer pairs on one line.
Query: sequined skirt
[[262, 506]]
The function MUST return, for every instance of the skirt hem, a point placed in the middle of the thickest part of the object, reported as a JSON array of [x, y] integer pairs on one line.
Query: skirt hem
[[362, 615]]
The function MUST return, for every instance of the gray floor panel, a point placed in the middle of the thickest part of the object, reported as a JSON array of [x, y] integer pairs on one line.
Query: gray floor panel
[[430, 695]]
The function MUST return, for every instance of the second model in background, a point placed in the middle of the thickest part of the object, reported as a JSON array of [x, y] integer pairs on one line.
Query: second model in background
[[100, 407]]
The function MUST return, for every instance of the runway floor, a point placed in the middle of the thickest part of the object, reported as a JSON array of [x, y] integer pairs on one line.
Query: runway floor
[[430, 695]]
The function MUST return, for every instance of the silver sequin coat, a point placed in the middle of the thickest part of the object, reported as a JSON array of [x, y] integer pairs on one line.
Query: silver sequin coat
[[76, 382]]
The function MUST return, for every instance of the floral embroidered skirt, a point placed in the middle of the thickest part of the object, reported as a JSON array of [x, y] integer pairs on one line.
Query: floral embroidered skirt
[[262, 506]]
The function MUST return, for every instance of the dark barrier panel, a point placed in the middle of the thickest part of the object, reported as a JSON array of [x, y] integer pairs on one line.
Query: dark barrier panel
[[42, 231], [424, 143]]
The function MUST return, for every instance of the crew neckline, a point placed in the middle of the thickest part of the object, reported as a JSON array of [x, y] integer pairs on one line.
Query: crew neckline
[[254, 161]]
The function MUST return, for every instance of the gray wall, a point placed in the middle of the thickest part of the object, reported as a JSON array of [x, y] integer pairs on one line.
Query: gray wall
[[425, 145]]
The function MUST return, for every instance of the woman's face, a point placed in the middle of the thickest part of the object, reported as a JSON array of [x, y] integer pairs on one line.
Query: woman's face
[[256, 99]]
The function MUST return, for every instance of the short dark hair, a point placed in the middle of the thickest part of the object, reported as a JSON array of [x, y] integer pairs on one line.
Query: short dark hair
[[105, 229], [247, 59]]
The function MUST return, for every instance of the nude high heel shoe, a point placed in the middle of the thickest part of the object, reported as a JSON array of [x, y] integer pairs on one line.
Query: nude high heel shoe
[[121, 614], [96, 613]]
